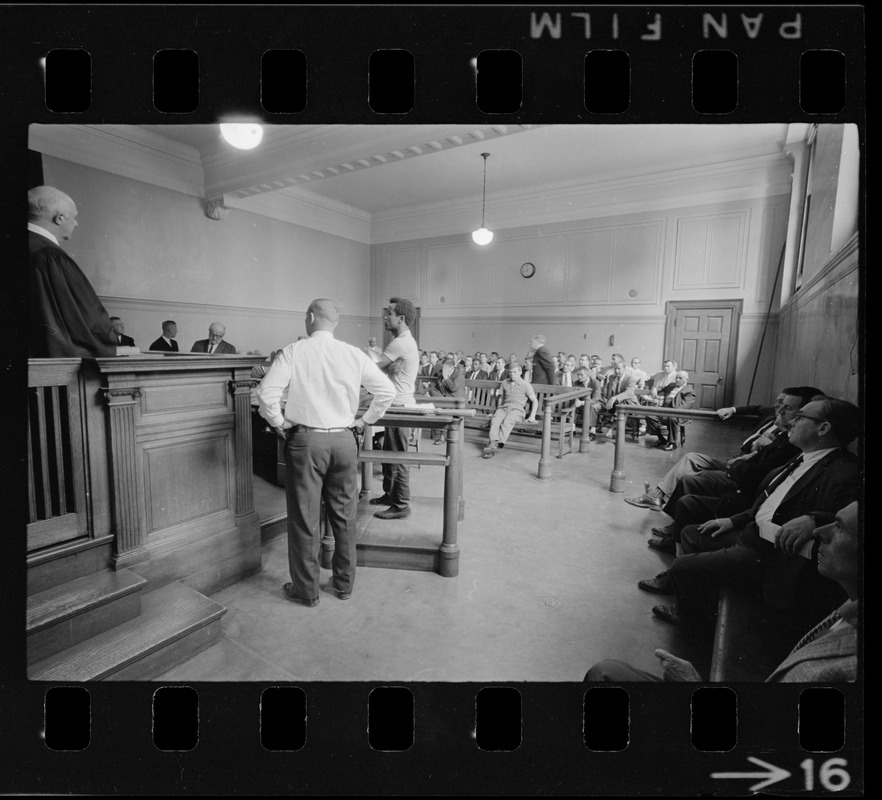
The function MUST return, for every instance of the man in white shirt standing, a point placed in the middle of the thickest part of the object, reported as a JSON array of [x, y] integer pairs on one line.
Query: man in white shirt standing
[[400, 362], [322, 378]]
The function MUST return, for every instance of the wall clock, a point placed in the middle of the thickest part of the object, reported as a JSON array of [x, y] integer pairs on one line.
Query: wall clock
[[528, 270]]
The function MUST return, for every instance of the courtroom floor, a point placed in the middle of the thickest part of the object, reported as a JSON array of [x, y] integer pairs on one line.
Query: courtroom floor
[[546, 585]]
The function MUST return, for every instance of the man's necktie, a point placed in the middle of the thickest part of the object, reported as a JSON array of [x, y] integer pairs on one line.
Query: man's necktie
[[824, 625], [785, 473]]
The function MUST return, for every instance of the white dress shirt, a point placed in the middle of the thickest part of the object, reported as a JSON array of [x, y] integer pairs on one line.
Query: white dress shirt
[[322, 377], [768, 530]]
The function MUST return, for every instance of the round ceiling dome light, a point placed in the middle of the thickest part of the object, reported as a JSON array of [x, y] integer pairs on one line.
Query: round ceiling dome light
[[242, 135]]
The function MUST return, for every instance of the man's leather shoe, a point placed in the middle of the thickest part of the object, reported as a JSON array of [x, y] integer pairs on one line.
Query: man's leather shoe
[[663, 545], [309, 602], [490, 451], [334, 590], [668, 614], [385, 500], [668, 530], [660, 443], [393, 513], [645, 501], [670, 446], [660, 584]]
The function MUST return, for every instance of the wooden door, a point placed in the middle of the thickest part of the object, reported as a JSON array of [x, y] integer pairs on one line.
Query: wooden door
[[702, 337]]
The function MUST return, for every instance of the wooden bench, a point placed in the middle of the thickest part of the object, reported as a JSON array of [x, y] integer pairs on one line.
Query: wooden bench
[[555, 416], [749, 641]]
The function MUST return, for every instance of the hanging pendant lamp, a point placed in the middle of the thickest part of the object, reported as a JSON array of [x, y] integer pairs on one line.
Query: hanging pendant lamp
[[482, 236]]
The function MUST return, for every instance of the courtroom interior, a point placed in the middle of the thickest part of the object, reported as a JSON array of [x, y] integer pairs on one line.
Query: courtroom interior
[[156, 537]]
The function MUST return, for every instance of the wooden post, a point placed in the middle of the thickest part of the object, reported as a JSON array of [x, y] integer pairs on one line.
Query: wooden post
[[585, 438], [240, 389], [545, 454], [617, 479], [449, 550], [127, 500]]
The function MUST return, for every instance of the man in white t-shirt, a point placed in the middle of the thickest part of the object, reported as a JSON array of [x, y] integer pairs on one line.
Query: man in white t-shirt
[[400, 361]]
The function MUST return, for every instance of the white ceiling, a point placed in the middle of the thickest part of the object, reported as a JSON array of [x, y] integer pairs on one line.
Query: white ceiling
[[380, 168]]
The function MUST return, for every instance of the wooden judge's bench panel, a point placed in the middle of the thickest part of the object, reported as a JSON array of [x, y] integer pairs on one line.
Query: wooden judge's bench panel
[[149, 458]]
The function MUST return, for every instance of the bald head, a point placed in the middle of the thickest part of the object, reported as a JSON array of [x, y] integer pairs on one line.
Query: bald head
[[322, 315], [216, 332], [52, 210]]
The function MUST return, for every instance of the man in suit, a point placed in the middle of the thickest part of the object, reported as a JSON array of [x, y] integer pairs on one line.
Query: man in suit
[[118, 331], [543, 364], [167, 340], [768, 547], [674, 395], [499, 371], [710, 493], [826, 654], [617, 388], [68, 319], [452, 384], [214, 344], [565, 376], [691, 463]]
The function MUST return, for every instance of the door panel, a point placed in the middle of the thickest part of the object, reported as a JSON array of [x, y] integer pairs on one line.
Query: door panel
[[702, 339]]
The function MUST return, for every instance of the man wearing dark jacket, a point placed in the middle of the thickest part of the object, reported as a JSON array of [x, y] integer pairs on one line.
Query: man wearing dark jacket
[[769, 547], [543, 363]]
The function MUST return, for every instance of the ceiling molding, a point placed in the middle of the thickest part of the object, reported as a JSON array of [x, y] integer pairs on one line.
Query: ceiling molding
[[742, 179], [288, 161], [126, 150]]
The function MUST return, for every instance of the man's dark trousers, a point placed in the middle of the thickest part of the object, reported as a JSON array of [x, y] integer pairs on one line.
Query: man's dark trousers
[[396, 477], [320, 466]]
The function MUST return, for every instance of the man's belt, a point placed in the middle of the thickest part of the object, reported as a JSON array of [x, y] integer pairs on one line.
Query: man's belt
[[298, 428]]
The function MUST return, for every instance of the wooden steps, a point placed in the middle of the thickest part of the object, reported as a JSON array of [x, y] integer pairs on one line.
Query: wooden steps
[[175, 623], [65, 615]]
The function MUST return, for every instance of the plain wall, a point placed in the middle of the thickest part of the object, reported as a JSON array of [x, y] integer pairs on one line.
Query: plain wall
[[152, 254]]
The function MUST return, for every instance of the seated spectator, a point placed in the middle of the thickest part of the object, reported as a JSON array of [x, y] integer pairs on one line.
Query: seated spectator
[[661, 379], [597, 366], [565, 377], [768, 547], [710, 493], [619, 388], [499, 371], [638, 374], [826, 654], [674, 395], [696, 462], [452, 384], [511, 410]]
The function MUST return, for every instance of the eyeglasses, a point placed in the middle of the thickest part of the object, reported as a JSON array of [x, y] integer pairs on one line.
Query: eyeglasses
[[799, 415]]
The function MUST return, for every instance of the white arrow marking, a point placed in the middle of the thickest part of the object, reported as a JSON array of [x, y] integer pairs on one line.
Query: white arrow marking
[[772, 775]]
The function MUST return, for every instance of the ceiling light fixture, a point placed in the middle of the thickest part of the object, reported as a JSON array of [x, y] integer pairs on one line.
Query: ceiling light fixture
[[242, 135], [482, 236]]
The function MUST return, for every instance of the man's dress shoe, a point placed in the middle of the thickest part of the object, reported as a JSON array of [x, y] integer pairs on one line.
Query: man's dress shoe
[[668, 614], [668, 530], [660, 584], [309, 602], [334, 590], [385, 500], [645, 501], [663, 545], [393, 513]]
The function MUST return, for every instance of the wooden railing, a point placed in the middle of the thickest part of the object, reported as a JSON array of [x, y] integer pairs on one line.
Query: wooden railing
[[57, 461], [623, 411]]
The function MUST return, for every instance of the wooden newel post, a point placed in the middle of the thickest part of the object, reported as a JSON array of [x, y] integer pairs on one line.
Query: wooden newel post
[[127, 523], [585, 438], [449, 550], [241, 392], [617, 479], [545, 455]]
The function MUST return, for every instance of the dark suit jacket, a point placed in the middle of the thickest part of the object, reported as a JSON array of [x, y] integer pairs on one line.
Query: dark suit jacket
[[122, 340], [543, 367], [223, 349], [791, 581], [454, 386], [766, 415], [750, 474], [161, 344]]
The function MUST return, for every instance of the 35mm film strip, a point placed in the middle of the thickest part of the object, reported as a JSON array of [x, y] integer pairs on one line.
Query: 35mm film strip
[[413, 65]]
